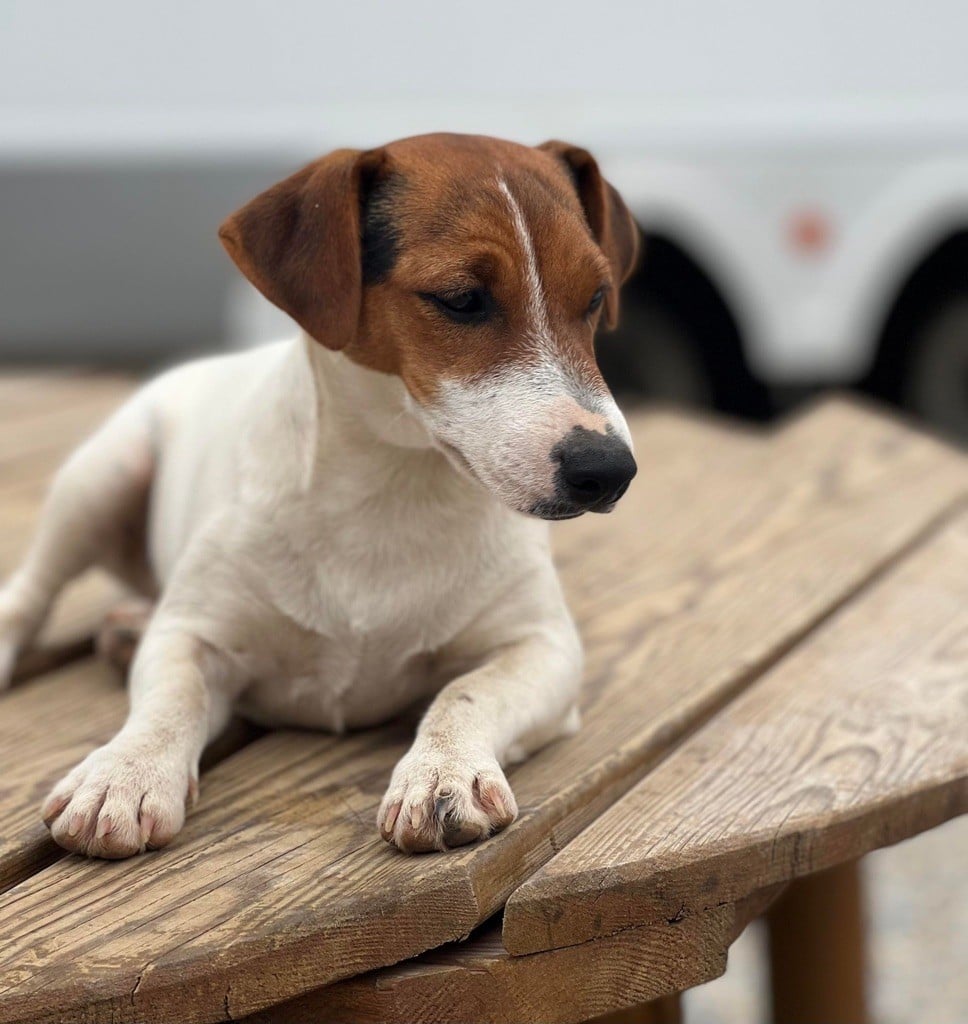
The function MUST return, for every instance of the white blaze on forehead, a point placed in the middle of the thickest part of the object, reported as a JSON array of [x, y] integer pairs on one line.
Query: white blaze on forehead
[[591, 407], [537, 306]]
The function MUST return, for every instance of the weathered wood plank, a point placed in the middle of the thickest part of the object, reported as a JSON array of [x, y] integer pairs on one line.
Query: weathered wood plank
[[45, 729], [478, 982], [857, 740], [722, 556]]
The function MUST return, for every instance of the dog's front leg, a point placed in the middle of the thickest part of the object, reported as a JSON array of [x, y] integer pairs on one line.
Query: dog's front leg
[[450, 788], [131, 793]]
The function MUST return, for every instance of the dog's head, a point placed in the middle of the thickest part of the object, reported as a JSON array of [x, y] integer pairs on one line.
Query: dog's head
[[477, 271]]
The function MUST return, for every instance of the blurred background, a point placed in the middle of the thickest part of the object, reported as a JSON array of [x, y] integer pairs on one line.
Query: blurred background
[[799, 172]]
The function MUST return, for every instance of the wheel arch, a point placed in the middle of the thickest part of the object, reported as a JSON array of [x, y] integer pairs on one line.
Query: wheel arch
[[938, 271], [675, 277]]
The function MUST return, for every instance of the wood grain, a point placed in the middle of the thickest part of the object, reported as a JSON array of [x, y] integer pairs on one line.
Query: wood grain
[[725, 553], [857, 740], [478, 982], [45, 729]]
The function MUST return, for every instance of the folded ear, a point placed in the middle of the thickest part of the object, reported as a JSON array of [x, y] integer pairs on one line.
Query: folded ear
[[608, 216], [299, 243]]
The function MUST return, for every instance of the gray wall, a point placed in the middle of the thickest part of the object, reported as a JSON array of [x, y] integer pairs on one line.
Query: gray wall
[[119, 261]]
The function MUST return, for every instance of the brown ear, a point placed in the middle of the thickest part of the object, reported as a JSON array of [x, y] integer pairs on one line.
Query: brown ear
[[608, 216], [299, 243]]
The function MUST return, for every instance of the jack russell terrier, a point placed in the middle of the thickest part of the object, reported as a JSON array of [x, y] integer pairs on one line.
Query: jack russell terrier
[[337, 527]]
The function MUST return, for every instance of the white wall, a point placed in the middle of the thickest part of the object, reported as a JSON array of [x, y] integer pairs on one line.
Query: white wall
[[232, 68]]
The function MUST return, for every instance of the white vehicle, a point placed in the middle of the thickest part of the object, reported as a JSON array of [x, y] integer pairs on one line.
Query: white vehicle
[[830, 253], [799, 171], [786, 255]]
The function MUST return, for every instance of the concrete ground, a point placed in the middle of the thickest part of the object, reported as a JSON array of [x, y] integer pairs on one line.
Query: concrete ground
[[918, 914]]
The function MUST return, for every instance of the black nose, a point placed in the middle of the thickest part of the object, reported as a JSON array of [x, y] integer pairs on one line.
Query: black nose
[[595, 470]]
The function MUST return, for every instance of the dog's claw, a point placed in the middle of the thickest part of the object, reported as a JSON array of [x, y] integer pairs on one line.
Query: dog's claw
[[118, 802], [435, 803]]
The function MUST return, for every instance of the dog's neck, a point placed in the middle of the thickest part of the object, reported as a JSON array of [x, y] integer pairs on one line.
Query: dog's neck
[[363, 405], [333, 410]]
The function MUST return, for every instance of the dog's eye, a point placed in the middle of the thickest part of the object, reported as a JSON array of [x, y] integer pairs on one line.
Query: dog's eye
[[596, 301], [471, 306]]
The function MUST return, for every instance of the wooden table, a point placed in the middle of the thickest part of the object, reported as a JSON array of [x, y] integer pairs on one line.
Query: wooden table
[[776, 627]]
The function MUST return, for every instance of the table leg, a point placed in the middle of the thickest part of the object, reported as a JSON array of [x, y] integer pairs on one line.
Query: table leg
[[667, 1010], [817, 950]]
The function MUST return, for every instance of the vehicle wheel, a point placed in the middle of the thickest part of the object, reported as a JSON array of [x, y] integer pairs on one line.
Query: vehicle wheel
[[652, 356], [935, 379]]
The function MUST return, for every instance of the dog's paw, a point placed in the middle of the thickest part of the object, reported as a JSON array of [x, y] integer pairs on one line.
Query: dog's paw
[[436, 801], [120, 800]]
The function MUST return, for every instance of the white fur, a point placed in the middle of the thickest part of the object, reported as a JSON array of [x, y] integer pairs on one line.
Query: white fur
[[537, 304], [504, 424], [320, 563]]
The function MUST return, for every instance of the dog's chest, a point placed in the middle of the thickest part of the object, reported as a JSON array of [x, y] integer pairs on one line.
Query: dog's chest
[[351, 682], [364, 622]]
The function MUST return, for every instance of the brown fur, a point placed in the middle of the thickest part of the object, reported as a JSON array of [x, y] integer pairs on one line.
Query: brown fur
[[299, 243]]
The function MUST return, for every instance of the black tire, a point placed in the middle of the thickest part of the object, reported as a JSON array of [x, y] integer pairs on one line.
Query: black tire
[[653, 357], [934, 381], [657, 353], [679, 340]]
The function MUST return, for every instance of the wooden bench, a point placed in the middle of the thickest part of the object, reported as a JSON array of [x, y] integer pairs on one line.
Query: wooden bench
[[777, 637]]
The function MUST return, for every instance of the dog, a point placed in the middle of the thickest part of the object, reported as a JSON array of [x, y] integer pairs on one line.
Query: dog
[[337, 527]]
